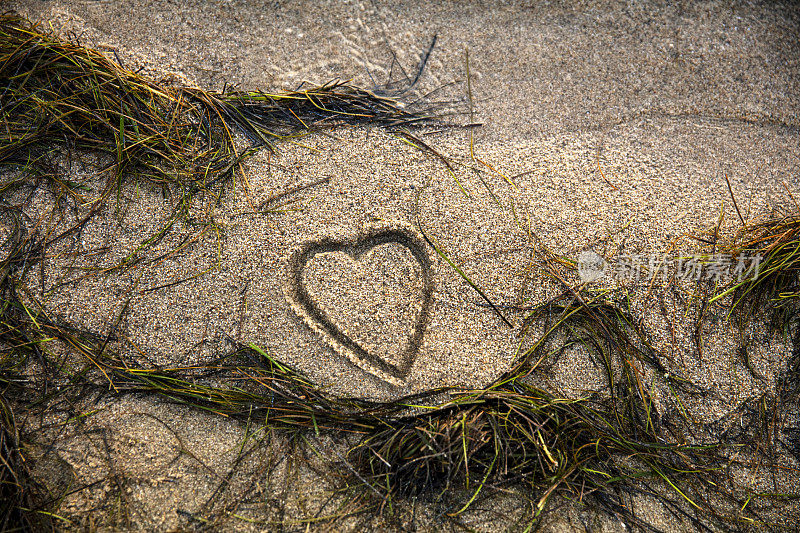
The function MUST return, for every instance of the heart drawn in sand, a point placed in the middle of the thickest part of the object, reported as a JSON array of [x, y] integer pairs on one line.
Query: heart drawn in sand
[[369, 296]]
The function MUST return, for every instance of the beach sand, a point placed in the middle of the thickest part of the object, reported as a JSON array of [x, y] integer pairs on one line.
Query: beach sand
[[605, 127]]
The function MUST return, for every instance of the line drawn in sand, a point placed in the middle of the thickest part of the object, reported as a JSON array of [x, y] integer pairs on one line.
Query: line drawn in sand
[[357, 249]]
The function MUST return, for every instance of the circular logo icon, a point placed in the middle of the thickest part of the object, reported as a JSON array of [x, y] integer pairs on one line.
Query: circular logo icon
[[591, 266]]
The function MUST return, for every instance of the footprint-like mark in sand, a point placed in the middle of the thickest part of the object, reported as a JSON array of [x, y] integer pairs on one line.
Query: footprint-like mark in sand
[[369, 296]]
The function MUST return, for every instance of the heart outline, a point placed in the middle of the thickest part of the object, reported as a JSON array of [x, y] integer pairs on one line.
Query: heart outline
[[357, 246]]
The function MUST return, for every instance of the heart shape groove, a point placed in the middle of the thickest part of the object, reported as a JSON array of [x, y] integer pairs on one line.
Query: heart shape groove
[[329, 257]]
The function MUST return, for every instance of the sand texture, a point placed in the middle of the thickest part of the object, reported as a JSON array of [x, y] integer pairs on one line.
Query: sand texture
[[605, 126]]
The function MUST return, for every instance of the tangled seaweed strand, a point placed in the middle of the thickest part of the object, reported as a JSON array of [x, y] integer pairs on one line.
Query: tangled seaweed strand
[[59, 98], [55, 94], [456, 445]]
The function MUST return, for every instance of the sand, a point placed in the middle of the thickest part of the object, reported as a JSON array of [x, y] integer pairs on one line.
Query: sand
[[606, 127]]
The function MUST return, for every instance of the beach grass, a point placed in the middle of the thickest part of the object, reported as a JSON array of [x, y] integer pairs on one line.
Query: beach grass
[[455, 447]]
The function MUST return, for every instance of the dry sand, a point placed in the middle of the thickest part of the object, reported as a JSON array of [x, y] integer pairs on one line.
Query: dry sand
[[610, 127]]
